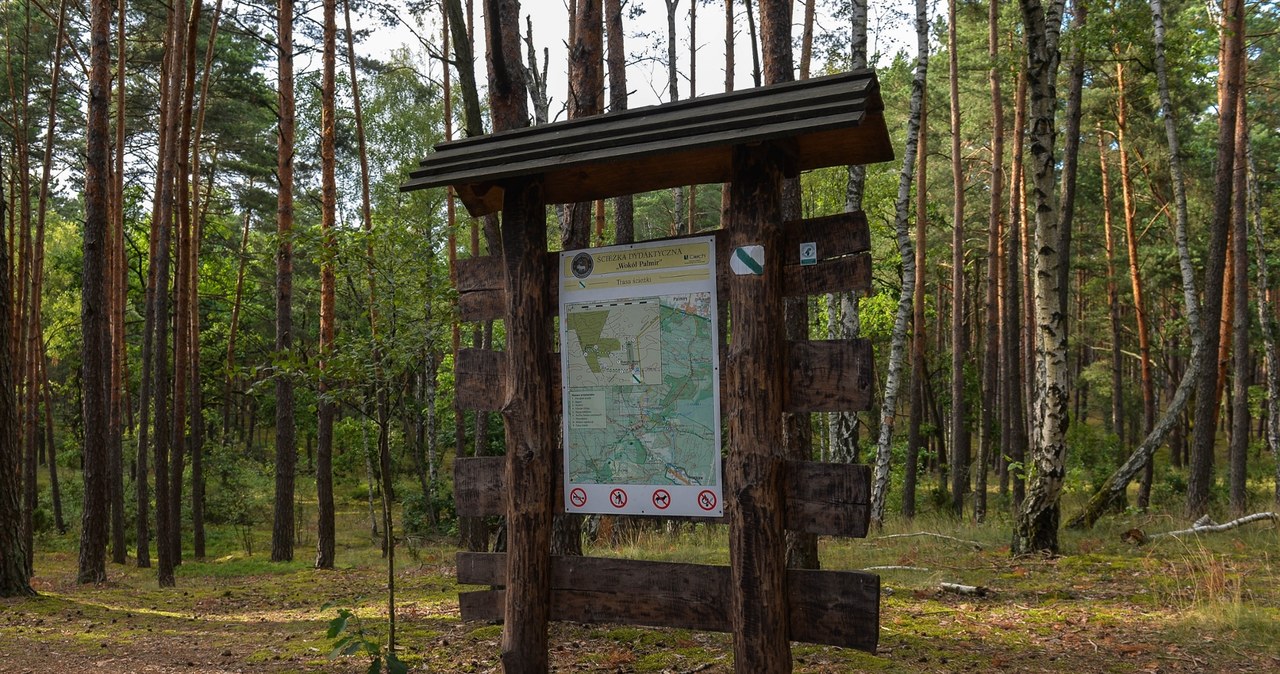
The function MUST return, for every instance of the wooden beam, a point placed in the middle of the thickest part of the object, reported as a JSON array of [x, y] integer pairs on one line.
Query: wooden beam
[[820, 376], [828, 499], [530, 430], [754, 402], [839, 238], [837, 608]]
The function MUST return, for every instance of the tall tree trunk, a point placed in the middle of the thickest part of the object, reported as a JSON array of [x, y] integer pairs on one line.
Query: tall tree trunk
[[96, 349], [1206, 413], [1241, 368], [233, 328], [915, 440], [166, 528], [673, 95], [117, 293], [34, 327], [1113, 420], [1036, 528], [1267, 320], [328, 221], [910, 275], [729, 32], [1135, 277], [196, 423], [365, 209], [54, 487], [14, 572], [286, 449], [958, 422], [995, 228], [616, 56]]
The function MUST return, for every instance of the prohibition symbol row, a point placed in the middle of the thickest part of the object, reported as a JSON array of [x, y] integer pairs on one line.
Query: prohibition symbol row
[[661, 498]]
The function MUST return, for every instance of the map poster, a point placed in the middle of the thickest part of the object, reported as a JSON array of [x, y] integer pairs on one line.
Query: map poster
[[641, 379]]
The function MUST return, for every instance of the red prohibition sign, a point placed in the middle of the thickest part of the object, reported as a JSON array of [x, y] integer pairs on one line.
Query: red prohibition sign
[[706, 499], [661, 499], [618, 498], [578, 497]]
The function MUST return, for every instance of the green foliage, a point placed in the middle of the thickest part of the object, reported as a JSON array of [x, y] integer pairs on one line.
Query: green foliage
[[349, 638], [1092, 455], [239, 493]]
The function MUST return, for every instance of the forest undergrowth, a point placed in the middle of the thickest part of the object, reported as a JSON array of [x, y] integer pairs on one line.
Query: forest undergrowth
[[1189, 604]]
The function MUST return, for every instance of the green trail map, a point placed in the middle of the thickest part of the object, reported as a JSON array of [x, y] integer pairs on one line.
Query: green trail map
[[640, 391]]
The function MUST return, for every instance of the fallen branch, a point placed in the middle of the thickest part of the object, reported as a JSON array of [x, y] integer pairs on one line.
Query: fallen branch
[[974, 544], [1204, 525], [967, 590], [893, 567]]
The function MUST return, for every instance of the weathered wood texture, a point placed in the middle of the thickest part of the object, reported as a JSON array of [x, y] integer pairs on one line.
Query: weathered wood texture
[[831, 120], [838, 608], [530, 431], [830, 499], [820, 376], [755, 403], [842, 241]]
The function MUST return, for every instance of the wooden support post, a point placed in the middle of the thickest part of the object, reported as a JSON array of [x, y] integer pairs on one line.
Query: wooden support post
[[754, 403], [530, 429]]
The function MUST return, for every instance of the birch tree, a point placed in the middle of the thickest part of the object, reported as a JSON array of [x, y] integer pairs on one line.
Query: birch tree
[[1036, 526], [907, 250]]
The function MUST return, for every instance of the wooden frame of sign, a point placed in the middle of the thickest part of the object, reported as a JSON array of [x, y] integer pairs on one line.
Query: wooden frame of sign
[[751, 139]]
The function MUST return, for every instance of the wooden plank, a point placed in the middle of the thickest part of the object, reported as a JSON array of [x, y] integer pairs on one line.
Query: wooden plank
[[481, 292], [836, 235], [821, 376], [851, 272], [481, 379], [829, 375], [828, 499], [838, 608], [480, 486]]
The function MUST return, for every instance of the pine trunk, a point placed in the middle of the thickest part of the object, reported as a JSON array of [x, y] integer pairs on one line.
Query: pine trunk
[[995, 228], [616, 55], [1267, 320], [325, 533], [958, 422], [13, 546], [96, 345], [1206, 412], [1241, 367], [285, 440], [1135, 277]]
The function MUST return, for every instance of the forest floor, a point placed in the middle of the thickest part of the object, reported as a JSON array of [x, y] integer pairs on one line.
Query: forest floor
[[1199, 604]]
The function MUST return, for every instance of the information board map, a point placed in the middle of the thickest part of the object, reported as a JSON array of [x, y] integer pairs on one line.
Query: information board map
[[640, 366]]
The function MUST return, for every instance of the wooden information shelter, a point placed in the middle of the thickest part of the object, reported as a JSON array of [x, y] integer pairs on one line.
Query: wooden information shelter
[[751, 139]]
